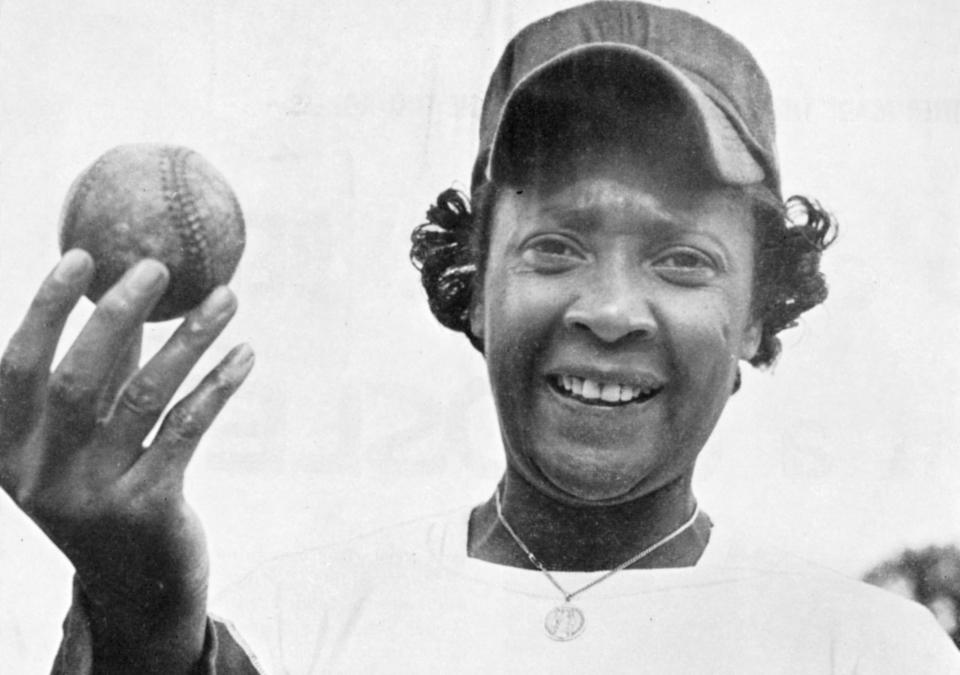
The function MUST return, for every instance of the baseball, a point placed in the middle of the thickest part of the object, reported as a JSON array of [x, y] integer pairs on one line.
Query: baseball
[[155, 201]]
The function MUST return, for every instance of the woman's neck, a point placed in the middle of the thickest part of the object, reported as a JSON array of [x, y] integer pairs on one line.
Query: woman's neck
[[565, 537]]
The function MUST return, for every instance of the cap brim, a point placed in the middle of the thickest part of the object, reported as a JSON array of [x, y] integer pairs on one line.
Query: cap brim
[[638, 73]]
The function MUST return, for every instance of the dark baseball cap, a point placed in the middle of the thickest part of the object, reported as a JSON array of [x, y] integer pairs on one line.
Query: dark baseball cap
[[722, 98]]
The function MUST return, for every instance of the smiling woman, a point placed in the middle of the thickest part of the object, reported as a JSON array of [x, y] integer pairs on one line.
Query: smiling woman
[[653, 293], [629, 248]]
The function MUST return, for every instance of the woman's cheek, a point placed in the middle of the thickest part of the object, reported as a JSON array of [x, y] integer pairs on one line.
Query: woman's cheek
[[526, 310], [520, 318], [704, 362]]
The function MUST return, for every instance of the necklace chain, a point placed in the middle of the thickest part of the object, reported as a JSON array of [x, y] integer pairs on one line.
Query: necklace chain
[[606, 575]]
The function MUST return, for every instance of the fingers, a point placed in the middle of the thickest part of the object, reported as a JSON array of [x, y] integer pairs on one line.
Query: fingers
[[77, 385], [186, 423], [126, 366], [25, 365], [147, 393]]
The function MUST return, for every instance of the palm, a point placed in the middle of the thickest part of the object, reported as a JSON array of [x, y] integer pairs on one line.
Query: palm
[[131, 536], [72, 452]]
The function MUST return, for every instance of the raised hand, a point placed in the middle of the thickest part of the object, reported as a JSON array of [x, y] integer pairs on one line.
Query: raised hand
[[72, 457]]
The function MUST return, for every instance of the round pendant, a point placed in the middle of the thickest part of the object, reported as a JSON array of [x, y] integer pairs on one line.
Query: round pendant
[[564, 622]]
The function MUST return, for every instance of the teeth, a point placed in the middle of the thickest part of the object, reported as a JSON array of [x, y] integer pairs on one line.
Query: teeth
[[591, 389], [608, 392], [577, 387]]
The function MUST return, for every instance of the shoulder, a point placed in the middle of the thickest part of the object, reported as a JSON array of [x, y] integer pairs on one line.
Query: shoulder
[[289, 605], [783, 576], [424, 542], [868, 629]]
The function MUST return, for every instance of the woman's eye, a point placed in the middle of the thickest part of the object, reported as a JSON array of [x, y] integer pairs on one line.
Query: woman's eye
[[685, 259], [551, 253], [686, 265], [554, 247]]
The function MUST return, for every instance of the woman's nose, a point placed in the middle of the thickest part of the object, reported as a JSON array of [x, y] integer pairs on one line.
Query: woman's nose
[[613, 308]]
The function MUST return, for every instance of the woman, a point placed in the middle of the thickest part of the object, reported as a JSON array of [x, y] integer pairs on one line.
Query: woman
[[627, 249]]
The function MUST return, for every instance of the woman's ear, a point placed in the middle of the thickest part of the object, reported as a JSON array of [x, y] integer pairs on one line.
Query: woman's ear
[[751, 340], [476, 317]]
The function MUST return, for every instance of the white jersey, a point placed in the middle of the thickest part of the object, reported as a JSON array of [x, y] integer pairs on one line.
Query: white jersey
[[409, 599]]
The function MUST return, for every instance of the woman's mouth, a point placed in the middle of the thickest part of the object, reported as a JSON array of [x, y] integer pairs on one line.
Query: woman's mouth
[[593, 392]]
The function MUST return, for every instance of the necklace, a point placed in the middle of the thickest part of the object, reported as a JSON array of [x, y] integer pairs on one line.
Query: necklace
[[566, 621]]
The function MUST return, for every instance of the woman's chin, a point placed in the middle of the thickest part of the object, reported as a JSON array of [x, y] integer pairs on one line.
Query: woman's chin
[[578, 488]]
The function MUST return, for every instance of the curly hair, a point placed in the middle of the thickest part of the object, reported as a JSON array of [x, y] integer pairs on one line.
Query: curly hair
[[450, 251], [787, 281]]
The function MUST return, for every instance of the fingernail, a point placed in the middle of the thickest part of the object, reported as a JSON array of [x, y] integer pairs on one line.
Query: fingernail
[[72, 266], [146, 276], [221, 301], [240, 354], [241, 359]]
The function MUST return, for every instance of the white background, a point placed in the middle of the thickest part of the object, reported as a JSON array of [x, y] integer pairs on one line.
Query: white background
[[338, 122]]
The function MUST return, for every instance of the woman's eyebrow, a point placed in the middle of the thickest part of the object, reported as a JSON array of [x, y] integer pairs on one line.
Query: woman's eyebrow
[[660, 225]]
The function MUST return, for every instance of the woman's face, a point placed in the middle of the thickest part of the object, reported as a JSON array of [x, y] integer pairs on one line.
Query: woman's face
[[615, 307]]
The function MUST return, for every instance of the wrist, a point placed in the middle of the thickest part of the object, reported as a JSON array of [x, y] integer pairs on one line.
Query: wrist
[[155, 637]]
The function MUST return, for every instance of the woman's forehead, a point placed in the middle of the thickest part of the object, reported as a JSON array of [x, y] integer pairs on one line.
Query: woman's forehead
[[639, 203], [627, 178]]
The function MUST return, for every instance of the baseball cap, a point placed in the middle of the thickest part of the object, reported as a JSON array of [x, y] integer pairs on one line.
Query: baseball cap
[[645, 51]]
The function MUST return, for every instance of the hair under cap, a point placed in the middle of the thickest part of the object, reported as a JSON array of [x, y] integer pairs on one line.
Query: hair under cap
[[647, 51]]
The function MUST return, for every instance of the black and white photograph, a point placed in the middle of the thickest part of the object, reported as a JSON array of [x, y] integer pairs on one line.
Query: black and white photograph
[[479, 336]]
